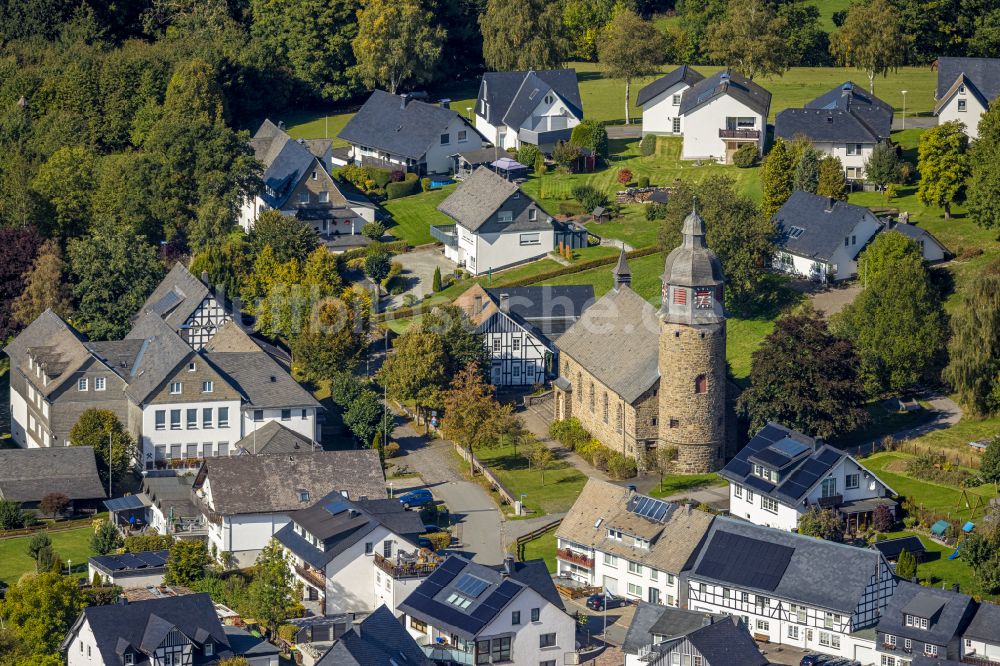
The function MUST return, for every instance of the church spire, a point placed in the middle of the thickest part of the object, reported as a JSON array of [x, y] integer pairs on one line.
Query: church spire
[[693, 230], [621, 272]]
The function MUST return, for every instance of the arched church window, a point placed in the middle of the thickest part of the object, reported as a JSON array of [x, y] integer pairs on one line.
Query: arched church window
[[605, 413], [579, 387], [591, 401], [701, 384]]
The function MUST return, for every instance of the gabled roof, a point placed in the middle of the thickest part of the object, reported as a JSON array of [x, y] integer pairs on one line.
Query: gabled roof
[[285, 161], [917, 234], [625, 322], [168, 490], [985, 626], [726, 82], [650, 619], [176, 297], [338, 523], [405, 128], [274, 438], [533, 89], [488, 591], [786, 565], [683, 74], [161, 352], [674, 535], [892, 548], [948, 613], [378, 639], [27, 475], [266, 484], [814, 227], [847, 113], [727, 641], [140, 626], [477, 199], [119, 355], [500, 90], [980, 75], [55, 346]]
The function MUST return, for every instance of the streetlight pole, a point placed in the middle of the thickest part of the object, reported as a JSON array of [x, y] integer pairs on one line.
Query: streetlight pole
[[109, 464], [904, 107]]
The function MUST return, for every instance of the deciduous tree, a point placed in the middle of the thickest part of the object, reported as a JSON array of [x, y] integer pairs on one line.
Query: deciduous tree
[[630, 47], [870, 40], [288, 237], [18, 249], [822, 524], [974, 347], [187, 562], [105, 538], [981, 550], [378, 263], [804, 377], [397, 43], [416, 371], [983, 188], [989, 467], [99, 428], [271, 596], [750, 39], [943, 165], [367, 416], [523, 35], [54, 504], [41, 608], [44, 287], [66, 181], [472, 416], [882, 166]]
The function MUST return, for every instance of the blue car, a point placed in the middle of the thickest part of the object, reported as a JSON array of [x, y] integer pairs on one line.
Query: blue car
[[421, 497]]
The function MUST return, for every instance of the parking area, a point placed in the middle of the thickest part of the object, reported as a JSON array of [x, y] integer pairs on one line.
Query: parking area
[[418, 272], [609, 626]]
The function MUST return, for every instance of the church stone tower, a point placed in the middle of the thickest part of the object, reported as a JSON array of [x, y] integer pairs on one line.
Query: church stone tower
[[692, 394]]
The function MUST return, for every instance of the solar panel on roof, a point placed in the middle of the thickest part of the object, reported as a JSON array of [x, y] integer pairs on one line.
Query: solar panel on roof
[[167, 303], [335, 507], [741, 560], [484, 613], [830, 456], [771, 433], [471, 586], [452, 565], [649, 508], [789, 447]]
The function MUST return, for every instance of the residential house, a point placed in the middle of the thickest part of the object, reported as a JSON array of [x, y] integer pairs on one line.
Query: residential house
[[169, 504], [632, 545], [355, 555], [781, 474], [297, 182], [158, 632], [519, 325], [981, 639], [188, 305], [540, 108], [246, 500], [275, 438], [922, 621], [468, 613], [496, 224], [143, 569], [965, 89], [661, 101], [846, 123], [661, 636], [28, 475], [720, 113], [378, 639], [820, 238], [791, 589], [401, 133], [933, 250]]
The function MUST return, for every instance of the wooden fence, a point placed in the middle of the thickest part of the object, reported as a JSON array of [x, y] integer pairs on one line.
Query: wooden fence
[[479, 468], [520, 542]]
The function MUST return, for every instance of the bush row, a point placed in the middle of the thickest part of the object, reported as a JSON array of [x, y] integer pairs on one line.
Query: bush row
[[394, 247], [576, 268], [571, 434], [408, 186]]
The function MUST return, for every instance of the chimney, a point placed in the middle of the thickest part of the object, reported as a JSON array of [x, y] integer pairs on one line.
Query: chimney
[[956, 588], [820, 442], [505, 303], [445, 103], [204, 277], [830, 202], [404, 99], [508, 566], [477, 306]]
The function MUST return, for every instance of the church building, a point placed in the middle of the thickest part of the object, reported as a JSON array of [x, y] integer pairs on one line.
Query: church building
[[638, 378]]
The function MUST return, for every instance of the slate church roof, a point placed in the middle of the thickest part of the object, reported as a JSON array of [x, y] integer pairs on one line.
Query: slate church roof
[[512, 96]]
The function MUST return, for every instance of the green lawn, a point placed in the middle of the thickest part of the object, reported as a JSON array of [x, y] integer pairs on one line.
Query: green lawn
[[70, 545], [631, 227], [883, 422], [544, 547], [412, 217], [562, 483], [937, 569], [683, 483]]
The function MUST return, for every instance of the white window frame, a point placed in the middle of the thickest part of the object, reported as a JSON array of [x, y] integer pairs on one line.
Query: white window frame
[[176, 388], [82, 384], [100, 383], [207, 386]]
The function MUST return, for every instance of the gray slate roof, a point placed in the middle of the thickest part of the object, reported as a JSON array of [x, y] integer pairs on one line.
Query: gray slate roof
[[892, 548], [501, 90], [176, 297], [824, 225], [285, 161], [385, 123], [918, 234], [624, 321], [55, 346], [661, 620], [683, 74], [168, 490], [726, 642], [726, 82], [847, 570], [377, 639], [161, 352], [847, 113], [274, 438], [949, 613], [27, 475], [985, 626], [550, 309], [476, 200], [982, 73], [266, 484]]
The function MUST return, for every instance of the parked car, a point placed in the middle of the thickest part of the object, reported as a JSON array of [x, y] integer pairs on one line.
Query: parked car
[[433, 528], [816, 659], [416, 498], [599, 602]]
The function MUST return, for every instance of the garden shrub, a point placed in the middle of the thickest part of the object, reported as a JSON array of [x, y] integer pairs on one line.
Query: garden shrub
[[589, 197], [403, 189], [391, 450], [571, 208], [528, 154], [382, 177], [624, 176], [746, 155], [569, 432], [647, 146], [373, 230], [440, 540], [540, 167], [937, 469], [643, 181], [591, 134], [425, 184], [286, 632], [656, 211], [565, 154], [397, 175], [621, 466]]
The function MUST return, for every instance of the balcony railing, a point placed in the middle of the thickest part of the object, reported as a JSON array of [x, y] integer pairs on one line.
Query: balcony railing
[[405, 569], [574, 557], [831, 501], [442, 652], [739, 134], [312, 577], [445, 233]]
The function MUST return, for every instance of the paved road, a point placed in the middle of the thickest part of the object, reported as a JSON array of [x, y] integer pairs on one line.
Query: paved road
[[478, 525]]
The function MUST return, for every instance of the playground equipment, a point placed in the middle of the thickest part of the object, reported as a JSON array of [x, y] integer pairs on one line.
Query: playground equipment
[[966, 530]]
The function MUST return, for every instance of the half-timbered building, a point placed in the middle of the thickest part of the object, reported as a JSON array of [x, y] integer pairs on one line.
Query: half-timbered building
[[660, 636], [923, 620], [793, 589], [188, 305]]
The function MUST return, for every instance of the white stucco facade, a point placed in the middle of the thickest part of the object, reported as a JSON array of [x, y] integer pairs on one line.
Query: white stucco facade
[[82, 649], [702, 127], [457, 137], [843, 263], [20, 431], [972, 647], [492, 251], [965, 108], [617, 575], [851, 155], [660, 113], [243, 536], [300, 419], [168, 431], [551, 114]]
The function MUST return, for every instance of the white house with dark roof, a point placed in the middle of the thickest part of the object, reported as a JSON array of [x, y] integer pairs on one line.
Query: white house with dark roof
[[981, 639], [297, 182], [791, 589], [925, 621], [781, 473], [820, 238], [356, 555], [246, 500], [660, 101], [846, 122], [720, 113], [535, 107], [634, 546], [468, 613], [932, 249], [965, 89], [378, 639], [399, 132], [496, 224]]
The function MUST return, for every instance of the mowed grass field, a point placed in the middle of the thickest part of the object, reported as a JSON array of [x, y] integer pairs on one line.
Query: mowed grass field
[[69, 545]]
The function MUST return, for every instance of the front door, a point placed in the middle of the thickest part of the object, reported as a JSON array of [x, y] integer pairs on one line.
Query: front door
[[654, 595], [496, 374]]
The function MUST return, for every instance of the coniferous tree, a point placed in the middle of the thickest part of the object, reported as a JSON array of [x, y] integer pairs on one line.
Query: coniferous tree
[[882, 166], [906, 565], [807, 171], [832, 182], [776, 176]]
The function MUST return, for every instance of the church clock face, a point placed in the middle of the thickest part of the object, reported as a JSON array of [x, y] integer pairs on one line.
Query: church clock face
[[703, 299]]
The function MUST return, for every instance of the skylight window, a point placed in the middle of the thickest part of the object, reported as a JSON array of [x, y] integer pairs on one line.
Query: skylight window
[[457, 600], [795, 232]]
